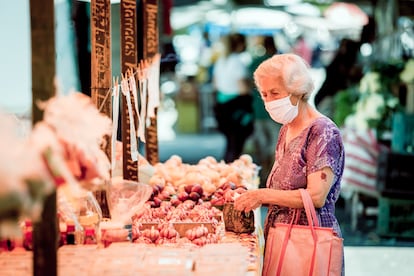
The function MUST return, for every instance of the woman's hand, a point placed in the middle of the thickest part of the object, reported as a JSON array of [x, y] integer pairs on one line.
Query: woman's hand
[[248, 201]]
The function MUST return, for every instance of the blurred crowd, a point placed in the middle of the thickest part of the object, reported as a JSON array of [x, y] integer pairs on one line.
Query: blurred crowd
[[222, 82]]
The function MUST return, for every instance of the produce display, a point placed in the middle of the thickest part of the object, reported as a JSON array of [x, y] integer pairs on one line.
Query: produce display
[[180, 204], [186, 200], [189, 222], [176, 208], [209, 180]]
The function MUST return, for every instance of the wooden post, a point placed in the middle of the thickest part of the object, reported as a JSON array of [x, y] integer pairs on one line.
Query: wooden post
[[43, 54], [101, 73], [129, 60], [101, 57], [45, 233], [150, 49]]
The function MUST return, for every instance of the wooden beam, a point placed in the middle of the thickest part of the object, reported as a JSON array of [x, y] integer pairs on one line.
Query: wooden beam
[[45, 232], [101, 58], [150, 49], [101, 74], [43, 54]]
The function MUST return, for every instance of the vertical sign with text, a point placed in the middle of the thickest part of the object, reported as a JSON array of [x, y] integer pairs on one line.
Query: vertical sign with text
[[101, 74], [150, 49], [129, 60], [101, 58]]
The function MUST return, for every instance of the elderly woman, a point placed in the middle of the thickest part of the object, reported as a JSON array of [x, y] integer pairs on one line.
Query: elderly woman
[[309, 152]]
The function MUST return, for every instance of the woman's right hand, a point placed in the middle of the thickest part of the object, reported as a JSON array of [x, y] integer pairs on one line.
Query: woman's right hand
[[248, 201]]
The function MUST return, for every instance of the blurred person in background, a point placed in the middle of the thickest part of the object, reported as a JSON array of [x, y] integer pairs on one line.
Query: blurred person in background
[[206, 60], [345, 69], [265, 129], [233, 108], [302, 49], [341, 73]]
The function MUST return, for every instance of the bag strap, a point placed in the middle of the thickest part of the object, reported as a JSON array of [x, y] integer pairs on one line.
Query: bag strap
[[312, 221], [309, 208], [284, 244]]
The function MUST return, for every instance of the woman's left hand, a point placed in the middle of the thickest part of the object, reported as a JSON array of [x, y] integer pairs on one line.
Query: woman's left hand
[[248, 201]]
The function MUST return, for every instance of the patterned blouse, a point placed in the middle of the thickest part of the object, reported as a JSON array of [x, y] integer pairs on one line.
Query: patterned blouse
[[317, 146]]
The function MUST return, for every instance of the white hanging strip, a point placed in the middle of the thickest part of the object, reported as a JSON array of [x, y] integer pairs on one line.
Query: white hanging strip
[[115, 118], [153, 85], [134, 146], [133, 88], [143, 97]]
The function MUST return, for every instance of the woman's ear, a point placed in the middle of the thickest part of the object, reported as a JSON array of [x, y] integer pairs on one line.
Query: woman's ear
[[294, 99]]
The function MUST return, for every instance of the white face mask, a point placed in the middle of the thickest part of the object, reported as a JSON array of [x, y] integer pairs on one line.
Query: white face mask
[[282, 110]]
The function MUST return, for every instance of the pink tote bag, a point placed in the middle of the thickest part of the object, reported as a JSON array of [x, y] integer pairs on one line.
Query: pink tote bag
[[303, 250]]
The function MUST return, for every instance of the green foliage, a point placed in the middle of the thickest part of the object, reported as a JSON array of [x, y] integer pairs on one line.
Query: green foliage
[[344, 102], [390, 72], [375, 104]]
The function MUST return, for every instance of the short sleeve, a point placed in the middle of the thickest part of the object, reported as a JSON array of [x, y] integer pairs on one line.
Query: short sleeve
[[325, 148]]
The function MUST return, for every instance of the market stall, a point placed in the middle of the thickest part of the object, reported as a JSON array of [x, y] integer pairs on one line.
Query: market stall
[[154, 228], [173, 221], [116, 211]]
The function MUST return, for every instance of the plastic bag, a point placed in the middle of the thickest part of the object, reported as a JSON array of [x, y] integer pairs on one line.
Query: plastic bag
[[126, 197]]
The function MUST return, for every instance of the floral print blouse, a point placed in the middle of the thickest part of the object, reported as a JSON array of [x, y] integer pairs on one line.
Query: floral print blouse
[[317, 146]]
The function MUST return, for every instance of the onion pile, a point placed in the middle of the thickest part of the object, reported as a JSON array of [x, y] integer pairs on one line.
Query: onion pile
[[208, 180]]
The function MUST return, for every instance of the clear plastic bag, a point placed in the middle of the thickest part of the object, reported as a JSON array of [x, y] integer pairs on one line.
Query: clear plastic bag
[[125, 198]]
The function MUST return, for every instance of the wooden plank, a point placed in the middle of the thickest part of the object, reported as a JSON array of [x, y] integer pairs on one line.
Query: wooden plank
[[150, 49], [45, 232], [43, 54], [101, 74], [101, 57], [129, 60]]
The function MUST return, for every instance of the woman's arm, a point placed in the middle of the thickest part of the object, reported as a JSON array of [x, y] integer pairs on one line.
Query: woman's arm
[[318, 186]]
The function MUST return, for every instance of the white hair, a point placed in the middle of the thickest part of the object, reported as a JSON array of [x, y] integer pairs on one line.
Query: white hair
[[292, 71]]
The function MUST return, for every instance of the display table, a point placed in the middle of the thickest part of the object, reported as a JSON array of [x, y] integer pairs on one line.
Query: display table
[[234, 255], [187, 235]]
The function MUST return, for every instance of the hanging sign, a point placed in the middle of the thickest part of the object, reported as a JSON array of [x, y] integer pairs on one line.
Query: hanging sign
[[101, 58], [150, 50], [101, 74], [129, 62]]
